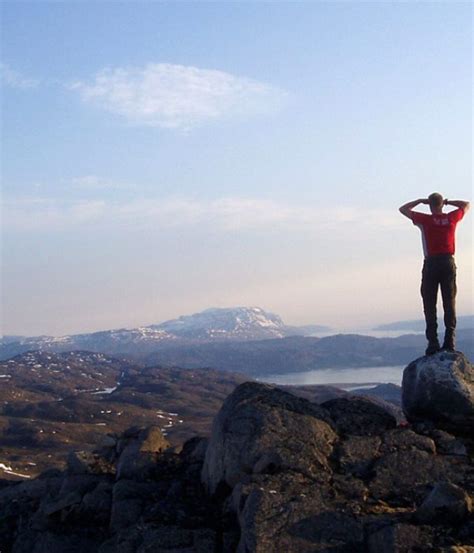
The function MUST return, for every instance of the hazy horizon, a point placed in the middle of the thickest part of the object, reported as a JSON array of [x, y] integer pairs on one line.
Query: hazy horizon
[[368, 328], [162, 158]]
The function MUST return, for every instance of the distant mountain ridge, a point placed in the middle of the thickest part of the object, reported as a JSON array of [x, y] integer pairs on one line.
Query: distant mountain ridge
[[298, 353], [242, 339], [418, 325], [210, 325]]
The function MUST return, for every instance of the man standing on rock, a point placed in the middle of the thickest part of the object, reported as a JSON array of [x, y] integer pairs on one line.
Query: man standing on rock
[[439, 268]]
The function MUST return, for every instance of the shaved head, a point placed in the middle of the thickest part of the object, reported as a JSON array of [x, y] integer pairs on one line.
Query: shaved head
[[436, 200]]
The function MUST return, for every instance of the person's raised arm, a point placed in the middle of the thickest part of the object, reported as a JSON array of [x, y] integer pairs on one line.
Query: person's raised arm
[[465, 206], [405, 209]]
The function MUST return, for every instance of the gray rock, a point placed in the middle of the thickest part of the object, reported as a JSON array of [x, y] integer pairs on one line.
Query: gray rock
[[125, 513], [400, 538], [51, 542], [166, 538], [79, 483], [61, 505], [447, 503], [359, 416], [290, 513], [124, 541], [87, 462], [458, 549], [108, 441], [448, 444], [128, 498], [403, 477], [330, 529], [96, 505], [357, 453], [194, 449], [405, 440], [440, 388], [138, 457], [263, 429], [353, 490]]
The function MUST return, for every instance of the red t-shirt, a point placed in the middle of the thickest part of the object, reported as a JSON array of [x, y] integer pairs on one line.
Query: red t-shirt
[[437, 231]]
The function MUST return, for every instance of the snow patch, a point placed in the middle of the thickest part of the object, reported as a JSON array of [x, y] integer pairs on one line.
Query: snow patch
[[105, 391], [9, 470]]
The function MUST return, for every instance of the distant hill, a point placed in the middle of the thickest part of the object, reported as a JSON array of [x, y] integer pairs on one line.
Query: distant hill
[[278, 355], [211, 325], [418, 325], [300, 353], [246, 340]]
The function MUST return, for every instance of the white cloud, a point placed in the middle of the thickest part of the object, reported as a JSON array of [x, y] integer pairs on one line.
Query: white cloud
[[95, 182], [226, 214], [29, 213], [177, 96], [15, 79]]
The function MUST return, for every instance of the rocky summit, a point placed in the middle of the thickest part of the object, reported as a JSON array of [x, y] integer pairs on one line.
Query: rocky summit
[[440, 389], [278, 474]]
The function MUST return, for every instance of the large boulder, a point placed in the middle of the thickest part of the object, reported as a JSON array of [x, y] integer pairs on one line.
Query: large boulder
[[440, 388], [262, 429]]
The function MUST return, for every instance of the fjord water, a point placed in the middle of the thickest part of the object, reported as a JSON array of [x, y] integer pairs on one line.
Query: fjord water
[[344, 378]]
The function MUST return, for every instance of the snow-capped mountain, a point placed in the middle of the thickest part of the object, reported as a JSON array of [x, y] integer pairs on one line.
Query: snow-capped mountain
[[235, 322], [215, 324]]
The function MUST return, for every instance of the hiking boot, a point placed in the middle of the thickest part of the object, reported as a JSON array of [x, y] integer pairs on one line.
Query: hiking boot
[[432, 348], [449, 339], [448, 347]]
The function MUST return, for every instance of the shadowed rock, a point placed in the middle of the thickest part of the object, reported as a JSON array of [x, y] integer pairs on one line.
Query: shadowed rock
[[440, 388], [400, 538], [88, 462], [446, 502], [360, 416], [138, 452]]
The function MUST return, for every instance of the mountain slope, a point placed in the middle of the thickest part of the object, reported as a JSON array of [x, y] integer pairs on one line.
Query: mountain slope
[[211, 325]]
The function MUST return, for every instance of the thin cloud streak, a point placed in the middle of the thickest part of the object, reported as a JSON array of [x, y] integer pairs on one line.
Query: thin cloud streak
[[15, 79], [94, 182], [226, 214], [177, 96]]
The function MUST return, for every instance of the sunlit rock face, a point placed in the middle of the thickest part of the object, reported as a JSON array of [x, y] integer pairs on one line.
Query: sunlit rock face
[[440, 389]]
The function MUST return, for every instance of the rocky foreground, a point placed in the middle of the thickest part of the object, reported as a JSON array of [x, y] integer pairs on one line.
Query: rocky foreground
[[278, 474]]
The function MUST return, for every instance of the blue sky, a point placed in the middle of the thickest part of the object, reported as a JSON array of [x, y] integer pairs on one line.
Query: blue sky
[[162, 158]]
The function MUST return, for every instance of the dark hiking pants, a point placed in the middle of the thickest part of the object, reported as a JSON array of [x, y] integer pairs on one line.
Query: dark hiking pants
[[439, 271]]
